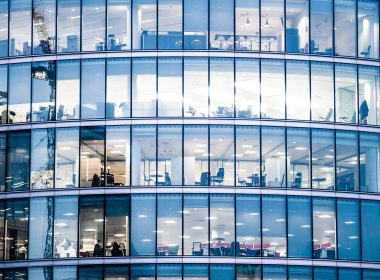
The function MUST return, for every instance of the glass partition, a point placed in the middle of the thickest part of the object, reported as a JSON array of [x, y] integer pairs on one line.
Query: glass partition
[[4, 27], [3, 90], [370, 226], [345, 27], [144, 24], [3, 165], [170, 24]]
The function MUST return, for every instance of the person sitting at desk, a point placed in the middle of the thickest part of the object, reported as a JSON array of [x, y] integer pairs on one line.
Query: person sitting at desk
[[115, 251]]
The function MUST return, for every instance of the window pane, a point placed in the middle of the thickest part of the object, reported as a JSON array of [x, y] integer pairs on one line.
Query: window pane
[[196, 155], [248, 230], [368, 95], [118, 25], [345, 27], [369, 162], [65, 226], [18, 161], [144, 94], [120, 272], [90, 272], [300, 273], [222, 271], [297, 26], [92, 157], [325, 273], [273, 157], [248, 156], [198, 271], [272, 26], [143, 225], [273, 226], [43, 91], [195, 24], [169, 153], [2, 229], [20, 27], [3, 88], [248, 272], [68, 89], [19, 93], [222, 87], [322, 91], [44, 27], [349, 273], [299, 227], [93, 25], [368, 28], [321, 25], [118, 156], [143, 160], [170, 87], [324, 228], [42, 272], [371, 274], [65, 272], [272, 89], [41, 228], [347, 168], [247, 25], [16, 273], [93, 88], [169, 272], [143, 271], [322, 160], [170, 24], [196, 86], [370, 222], [195, 235], [91, 226], [345, 93], [274, 272], [117, 225], [68, 25], [297, 90], [67, 158], [3, 164], [144, 16], [16, 229], [247, 88], [169, 225], [298, 157], [118, 88], [221, 24], [4, 28], [42, 158]]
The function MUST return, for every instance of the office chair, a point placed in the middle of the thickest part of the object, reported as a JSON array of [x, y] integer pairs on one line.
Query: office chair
[[366, 52], [219, 178], [297, 181]]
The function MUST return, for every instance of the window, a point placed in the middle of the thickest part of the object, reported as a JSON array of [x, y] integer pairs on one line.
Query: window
[[222, 271], [143, 225], [248, 271], [43, 91], [68, 25], [247, 20], [44, 26], [116, 272], [118, 156], [195, 225], [368, 28], [369, 113], [199, 271], [323, 273], [297, 26], [347, 167], [196, 155], [64, 272], [300, 272], [297, 90], [221, 24], [2, 229], [68, 90], [195, 24], [66, 157], [118, 88], [93, 88], [369, 162], [169, 87], [144, 271], [195, 86], [4, 28], [345, 93], [92, 157], [144, 95], [222, 87], [370, 274], [345, 27], [20, 41], [271, 272], [91, 226], [169, 225], [273, 157], [272, 25], [16, 273], [93, 25], [3, 164], [370, 226], [170, 24], [18, 161], [144, 168], [117, 218], [298, 157], [321, 27], [169, 272], [42, 158], [273, 226], [272, 89], [19, 93], [322, 159], [324, 232], [248, 226], [42, 272], [349, 273], [247, 88], [90, 272], [322, 91], [144, 16], [65, 226], [118, 25], [3, 88]]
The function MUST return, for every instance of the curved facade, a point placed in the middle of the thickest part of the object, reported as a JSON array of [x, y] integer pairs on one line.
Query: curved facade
[[193, 139]]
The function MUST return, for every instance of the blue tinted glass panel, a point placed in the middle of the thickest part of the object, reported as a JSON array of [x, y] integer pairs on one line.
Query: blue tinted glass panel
[[221, 25], [195, 24], [3, 92], [300, 273], [144, 16], [44, 26], [325, 273], [93, 25], [88, 272], [222, 272], [4, 28], [369, 162], [371, 274], [370, 222], [20, 41], [321, 26], [170, 24], [297, 26], [169, 271], [68, 25], [118, 25]]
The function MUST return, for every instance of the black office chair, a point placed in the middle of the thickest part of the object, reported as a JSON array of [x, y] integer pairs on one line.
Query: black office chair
[[219, 178], [204, 179], [366, 52], [297, 181]]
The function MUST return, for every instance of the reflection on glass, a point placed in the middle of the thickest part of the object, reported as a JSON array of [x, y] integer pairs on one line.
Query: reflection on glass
[[368, 28], [221, 24], [68, 25], [20, 41], [143, 271], [345, 93], [93, 25], [368, 95], [345, 27], [274, 272], [350, 274], [120, 272], [297, 26], [64, 272], [324, 232], [222, 272], [3, 89], [300, 273], [370, 226], [169, 272], [42, 272], [90, 272], [369, 162], [321, 26], [144, 16], [44, 26], [248, 271], [2, 229], [370, 274], [196, 23], [3, 28], [170, 24], [247, 25], [3, 164], [323, 273], [16, 273], [118, 25], [198, 271], [272, 25]]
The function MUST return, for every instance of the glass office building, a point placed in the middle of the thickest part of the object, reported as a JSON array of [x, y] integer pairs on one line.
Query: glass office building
[[189, 139]]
